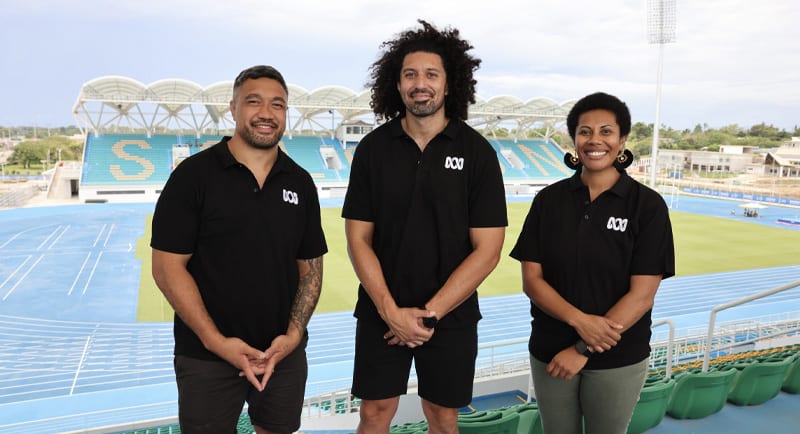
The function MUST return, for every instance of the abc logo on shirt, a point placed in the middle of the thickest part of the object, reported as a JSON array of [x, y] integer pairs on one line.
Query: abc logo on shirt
[[456, 163], [617, 224], [290, 197]]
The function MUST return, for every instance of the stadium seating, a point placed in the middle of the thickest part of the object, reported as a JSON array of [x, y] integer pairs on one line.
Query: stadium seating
[[699, 394], [409, 428], [758, 382], [652, 405], [538, 159], [127, 159], [791, 383], [305, 151], [691, 395], [507, 424], [114, 163], [529, 422], [477, 416]]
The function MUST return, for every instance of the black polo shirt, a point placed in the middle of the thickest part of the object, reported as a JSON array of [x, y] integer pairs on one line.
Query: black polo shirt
[[244, 241], [588, 252], [423, 205]]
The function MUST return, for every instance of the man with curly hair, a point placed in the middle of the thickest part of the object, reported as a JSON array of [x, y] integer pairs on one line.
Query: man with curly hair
[[425, 221]]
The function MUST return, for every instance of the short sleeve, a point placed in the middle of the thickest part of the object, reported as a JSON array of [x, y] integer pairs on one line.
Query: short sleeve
[[487, 197], [527, 247], [313, 244], [357, 204], [654, 250], [176, 220]]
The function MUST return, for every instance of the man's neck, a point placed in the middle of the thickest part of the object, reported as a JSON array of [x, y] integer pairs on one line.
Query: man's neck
[[259, 161], [422, 129]]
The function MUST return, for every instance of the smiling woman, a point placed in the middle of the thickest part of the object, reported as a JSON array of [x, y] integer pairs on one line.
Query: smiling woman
[[594, 250]]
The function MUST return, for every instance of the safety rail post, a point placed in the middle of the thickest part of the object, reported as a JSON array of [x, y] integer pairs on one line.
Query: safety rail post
[[713, 317], [670, 339]]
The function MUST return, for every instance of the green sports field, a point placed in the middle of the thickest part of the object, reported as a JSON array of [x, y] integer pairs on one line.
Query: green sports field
[[703, 245]]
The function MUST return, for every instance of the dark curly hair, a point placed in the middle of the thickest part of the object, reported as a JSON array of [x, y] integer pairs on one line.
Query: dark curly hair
[[458, 65], [600, 101]]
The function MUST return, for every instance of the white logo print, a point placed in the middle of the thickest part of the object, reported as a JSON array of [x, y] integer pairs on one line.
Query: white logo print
[[454, 163], [291, 197], [617, 224]]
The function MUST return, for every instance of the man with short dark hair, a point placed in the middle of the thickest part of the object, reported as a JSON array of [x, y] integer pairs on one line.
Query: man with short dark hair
[[237, 251]]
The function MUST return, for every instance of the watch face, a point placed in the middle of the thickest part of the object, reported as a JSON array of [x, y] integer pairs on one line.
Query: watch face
[[430, 322]]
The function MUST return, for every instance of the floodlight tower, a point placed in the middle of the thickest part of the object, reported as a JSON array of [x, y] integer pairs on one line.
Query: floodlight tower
[[660, 30]]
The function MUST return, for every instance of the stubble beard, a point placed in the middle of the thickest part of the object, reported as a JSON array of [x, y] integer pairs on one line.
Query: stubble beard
[[425, 109], [258, 141]]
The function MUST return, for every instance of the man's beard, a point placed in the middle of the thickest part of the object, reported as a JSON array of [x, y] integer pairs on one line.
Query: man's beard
[[258, 141], [432, 106]]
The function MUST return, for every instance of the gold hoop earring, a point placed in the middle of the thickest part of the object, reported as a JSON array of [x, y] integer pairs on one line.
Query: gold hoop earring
[[572, 161], [623, 160]]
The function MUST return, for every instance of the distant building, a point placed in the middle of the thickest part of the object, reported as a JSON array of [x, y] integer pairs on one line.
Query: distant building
[[729, 159], [353, 131], [785, 161], [782, 162]]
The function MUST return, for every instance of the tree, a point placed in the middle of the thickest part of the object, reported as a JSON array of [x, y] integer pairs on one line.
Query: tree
[[34, 151], [639, 148], [766, 131], [733, 130], [28, 152], [640, 130]]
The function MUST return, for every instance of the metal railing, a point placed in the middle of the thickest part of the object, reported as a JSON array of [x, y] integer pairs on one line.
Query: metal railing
[[670, 343], [724, 306]]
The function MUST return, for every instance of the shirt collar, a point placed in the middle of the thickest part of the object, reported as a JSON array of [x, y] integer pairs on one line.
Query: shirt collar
[[227, 159], [620, 188], [451, 130]]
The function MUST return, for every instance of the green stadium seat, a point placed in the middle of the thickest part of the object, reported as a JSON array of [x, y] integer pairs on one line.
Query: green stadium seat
[[699, 394], [758, 382], [652, 406], [791, 382], [409, 428], [480, 416], [528, 417], [244, 426], [506, 424]]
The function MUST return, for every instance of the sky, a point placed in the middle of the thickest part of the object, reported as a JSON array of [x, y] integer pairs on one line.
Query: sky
[[732, 62]]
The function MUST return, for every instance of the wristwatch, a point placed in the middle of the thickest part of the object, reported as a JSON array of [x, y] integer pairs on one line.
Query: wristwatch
[[582, 348], [430, 322]]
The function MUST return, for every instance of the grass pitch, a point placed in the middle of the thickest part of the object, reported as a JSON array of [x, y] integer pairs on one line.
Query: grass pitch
[[702, 245]]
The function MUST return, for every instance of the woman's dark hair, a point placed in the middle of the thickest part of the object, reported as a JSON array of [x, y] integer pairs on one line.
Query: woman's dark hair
[[458, 65], [600, 101]]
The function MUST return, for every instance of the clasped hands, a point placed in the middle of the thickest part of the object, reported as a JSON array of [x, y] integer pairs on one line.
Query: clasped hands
[[599, 333], [406, 328], [252, 362]]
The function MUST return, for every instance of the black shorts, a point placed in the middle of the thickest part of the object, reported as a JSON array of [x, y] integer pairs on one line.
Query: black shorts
[[211, 395], [445, 365]]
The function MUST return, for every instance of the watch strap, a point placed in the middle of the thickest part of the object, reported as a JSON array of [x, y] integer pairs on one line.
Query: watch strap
[[582, 348]]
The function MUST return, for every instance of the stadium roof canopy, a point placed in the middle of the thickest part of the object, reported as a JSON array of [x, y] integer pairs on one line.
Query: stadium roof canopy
[[116, 104]]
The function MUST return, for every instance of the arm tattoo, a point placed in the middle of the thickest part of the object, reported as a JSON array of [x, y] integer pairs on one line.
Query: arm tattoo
[[308, 290]]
